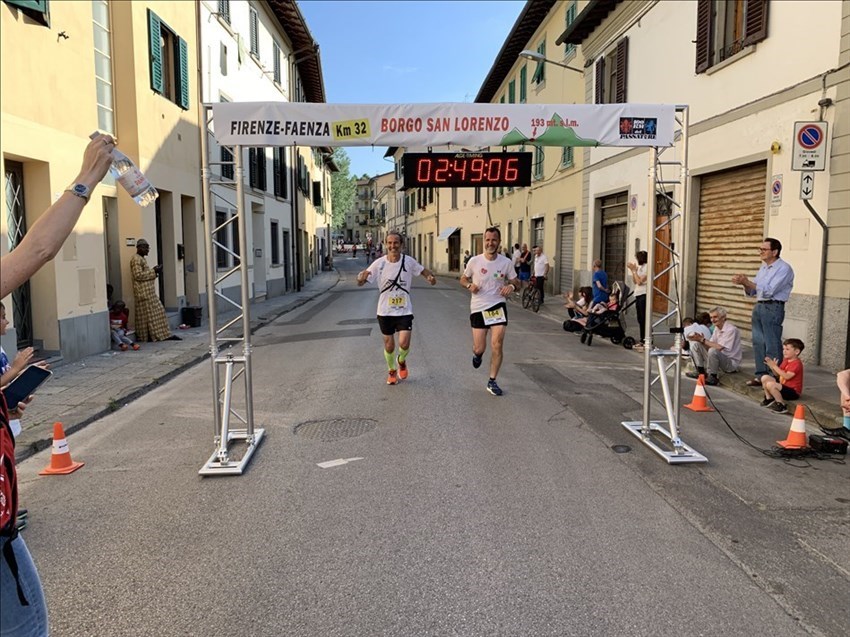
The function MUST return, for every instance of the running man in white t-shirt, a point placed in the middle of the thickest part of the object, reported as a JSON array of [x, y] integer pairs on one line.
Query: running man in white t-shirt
[[394, 275], [491, 278]]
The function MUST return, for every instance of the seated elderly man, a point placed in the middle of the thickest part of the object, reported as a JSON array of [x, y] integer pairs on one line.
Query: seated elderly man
[[720, 352]]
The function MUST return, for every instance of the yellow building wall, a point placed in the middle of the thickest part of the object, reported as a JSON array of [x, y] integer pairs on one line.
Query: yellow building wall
[[560, 189], [163, 139], [47, 110]]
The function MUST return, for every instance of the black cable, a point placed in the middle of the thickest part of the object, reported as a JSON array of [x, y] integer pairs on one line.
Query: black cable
[[780, 453]]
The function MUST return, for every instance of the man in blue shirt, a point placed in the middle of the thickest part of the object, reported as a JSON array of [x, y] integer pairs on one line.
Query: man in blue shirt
[[772, 289], [599, 283]]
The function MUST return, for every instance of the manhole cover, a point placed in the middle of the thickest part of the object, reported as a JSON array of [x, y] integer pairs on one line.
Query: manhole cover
[[334, 429], [621, 448]]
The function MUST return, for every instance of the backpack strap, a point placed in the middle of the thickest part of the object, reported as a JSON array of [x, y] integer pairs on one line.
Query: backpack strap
[[394, 284]]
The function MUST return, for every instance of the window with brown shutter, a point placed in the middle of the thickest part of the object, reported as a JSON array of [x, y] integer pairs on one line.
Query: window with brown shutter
[[755, 27], [622, 66], [612, 75], [726, 27], [600, 81]]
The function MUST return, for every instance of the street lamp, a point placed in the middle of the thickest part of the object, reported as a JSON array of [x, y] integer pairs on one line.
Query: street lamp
[[539, 57]]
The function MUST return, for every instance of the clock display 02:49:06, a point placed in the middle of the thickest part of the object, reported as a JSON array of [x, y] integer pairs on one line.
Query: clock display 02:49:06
[[467, 169]]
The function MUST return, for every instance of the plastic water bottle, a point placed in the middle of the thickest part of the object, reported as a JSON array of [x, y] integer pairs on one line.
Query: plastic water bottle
[[126, 173]]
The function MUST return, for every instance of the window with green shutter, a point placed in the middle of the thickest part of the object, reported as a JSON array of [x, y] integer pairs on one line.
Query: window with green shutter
[[570, 18], [539, 158], [567, 156], [512, 92], [255, 33], [169, 62], [276, 63], [38, 10], [502, 100], [540, 72], [523, 81]]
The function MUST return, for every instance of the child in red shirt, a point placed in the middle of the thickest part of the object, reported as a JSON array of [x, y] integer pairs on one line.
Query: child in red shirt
[[118, 316], [788, 381]]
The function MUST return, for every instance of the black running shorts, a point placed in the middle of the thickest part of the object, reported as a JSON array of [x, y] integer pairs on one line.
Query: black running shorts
[[477, 321], [391, 324]]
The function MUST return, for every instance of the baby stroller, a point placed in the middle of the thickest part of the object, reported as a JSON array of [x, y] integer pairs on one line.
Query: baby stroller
[[611, 324]]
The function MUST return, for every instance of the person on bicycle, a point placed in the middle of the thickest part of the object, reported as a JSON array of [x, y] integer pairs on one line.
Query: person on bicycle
[[394, 275], [490, 279], [541, 270]]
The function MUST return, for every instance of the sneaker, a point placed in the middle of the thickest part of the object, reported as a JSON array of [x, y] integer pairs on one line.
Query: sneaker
[[476, 360], [402, 370], [712, 380], [392, 377], [837, 432], [691, 374], [493, 388], [779, 408], [135, 347], [767, 401]]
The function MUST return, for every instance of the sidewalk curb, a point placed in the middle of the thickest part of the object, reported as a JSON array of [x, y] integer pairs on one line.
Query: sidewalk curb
[[44, 442]]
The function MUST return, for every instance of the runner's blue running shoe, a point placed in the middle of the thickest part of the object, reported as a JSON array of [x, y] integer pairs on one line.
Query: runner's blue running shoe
[[493, 388], [476, 361]]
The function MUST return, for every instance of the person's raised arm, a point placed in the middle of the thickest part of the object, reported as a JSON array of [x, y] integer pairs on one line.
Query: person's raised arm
[[45, 238]]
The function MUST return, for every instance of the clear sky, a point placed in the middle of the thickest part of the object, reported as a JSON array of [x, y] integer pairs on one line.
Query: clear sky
[[402, 51]]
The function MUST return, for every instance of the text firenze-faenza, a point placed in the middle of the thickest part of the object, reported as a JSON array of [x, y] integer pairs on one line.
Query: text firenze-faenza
[[274, 127]]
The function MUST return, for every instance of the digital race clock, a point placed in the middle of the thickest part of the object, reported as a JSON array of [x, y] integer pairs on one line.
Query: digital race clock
[[448, 170]]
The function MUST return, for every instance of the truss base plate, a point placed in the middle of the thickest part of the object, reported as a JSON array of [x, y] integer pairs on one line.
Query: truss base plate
[[214, 467], [683, 455]]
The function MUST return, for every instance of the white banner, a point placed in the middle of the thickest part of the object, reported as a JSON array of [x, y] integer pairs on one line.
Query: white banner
[[450, 124]]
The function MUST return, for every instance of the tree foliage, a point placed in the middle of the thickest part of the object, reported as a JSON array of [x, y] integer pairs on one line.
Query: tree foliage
[[343, 187]]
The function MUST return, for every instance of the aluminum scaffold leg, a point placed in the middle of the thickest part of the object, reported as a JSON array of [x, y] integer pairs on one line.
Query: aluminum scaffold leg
[[229, 458], [665, 441]]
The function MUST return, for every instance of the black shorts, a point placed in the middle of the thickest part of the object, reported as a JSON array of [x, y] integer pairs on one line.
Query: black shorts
[[788, 393], [477, 318], [391, 324]]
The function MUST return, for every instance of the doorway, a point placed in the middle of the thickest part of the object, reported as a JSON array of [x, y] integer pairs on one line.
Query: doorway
[[454, 251], [112, 245], [17, 222], [258, 229], [663, 208]]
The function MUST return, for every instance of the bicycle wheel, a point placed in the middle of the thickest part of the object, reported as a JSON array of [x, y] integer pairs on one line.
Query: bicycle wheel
[[535, 299], [526, 296]]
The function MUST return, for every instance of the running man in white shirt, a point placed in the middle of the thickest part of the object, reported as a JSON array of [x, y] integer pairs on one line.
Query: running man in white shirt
[[394, 275], [490, 277]]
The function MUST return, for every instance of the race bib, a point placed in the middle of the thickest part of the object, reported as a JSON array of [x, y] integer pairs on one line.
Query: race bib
[[397, 301], [494, 317]]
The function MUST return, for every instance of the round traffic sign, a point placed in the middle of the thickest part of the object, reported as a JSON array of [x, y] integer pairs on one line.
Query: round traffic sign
[[776, 187], [810, 136]]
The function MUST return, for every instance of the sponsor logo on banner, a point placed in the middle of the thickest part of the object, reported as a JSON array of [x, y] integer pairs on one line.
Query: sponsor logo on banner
[[638, 127]]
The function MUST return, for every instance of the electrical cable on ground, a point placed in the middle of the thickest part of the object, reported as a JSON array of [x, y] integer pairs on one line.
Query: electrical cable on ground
[[787, 455]]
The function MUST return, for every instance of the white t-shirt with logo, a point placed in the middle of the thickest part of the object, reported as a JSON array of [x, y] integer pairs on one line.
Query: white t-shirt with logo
[[395, 297], [490, 277]]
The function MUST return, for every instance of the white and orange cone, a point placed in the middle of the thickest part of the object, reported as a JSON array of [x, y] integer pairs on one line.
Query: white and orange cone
[[60, 460], [699, 402], [797, 435]]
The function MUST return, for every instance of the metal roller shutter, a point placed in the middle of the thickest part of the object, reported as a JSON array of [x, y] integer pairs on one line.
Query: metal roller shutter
[[731, 227], [565, 253]]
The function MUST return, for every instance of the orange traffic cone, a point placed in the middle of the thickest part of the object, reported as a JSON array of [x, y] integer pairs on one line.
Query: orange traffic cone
[[60, 461], [698, 402], [797, 435]]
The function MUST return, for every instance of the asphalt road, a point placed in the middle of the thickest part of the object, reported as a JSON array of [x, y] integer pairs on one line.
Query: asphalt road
[[461, 513]]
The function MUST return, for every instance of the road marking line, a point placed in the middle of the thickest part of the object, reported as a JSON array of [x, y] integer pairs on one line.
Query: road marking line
[[336, 463]]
